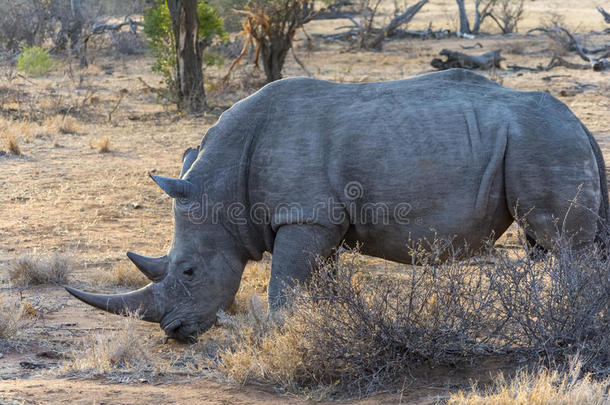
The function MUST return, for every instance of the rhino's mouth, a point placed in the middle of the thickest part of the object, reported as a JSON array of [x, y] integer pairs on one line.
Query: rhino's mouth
[[186, 332]]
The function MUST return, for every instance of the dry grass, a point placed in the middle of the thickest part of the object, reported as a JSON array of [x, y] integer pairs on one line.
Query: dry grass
[[545, 387], [123, 275], [102, 145], [111, 350], [15, 325], [32, 270], [11, 315], [62, 124], [12, 145], [258, 348], [11, 130]]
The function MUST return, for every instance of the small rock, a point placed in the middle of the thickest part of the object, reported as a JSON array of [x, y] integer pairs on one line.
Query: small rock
[[134, 205]]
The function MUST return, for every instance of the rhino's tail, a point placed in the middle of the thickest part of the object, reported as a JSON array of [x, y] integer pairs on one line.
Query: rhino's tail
[[604, 209]]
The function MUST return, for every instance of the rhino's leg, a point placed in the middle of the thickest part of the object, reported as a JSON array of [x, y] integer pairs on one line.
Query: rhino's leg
[[536, 251], [295, 251]]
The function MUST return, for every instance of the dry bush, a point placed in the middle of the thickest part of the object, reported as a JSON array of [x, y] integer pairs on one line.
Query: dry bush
[[102, 144], [111, 350], [11, 130], [10, 319], [271, 26], [558, 305], [507, 15], [64, 124], [32, 270], [123, 275], [24, 23], [15, 324], [545, 387], [353, 332], [12, 144]]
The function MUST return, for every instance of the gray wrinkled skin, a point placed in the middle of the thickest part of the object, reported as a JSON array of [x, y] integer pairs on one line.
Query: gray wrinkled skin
[[455, 150]]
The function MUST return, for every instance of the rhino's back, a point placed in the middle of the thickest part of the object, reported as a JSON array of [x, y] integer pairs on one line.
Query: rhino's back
[[436, 143], [427, 141]]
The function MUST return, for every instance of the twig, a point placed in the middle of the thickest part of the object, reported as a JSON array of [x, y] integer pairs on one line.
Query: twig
[[478, 44], [121, 95], [244, 49], [298, 61], [148, 86]]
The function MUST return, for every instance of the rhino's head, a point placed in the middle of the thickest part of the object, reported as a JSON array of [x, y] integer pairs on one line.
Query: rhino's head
[[200, 274]]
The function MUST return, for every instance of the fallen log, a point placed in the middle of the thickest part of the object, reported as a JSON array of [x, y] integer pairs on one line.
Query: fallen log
[[428, 33], [456, 59], [599, 65]]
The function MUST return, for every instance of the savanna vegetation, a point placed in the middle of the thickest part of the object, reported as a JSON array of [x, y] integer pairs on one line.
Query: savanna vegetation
[[94, 96]]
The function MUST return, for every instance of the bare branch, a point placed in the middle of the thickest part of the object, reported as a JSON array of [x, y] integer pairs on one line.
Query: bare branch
[[573, 42], [397, 22], [605, 14]]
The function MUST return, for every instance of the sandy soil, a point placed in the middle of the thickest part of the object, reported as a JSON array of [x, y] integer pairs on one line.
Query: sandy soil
[[64, 196]]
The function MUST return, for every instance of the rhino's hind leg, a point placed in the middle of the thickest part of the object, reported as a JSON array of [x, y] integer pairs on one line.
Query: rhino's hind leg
[[535, 250], [295, 251]]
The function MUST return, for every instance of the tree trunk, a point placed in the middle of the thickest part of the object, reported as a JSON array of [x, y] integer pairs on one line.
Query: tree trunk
[[273, 58], [464, 25], [76, 26], [189, 72], [477, 18]]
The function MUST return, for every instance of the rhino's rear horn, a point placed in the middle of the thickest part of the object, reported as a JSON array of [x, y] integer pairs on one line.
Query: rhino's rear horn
[[140, 302], [155, 268], [176, 188], [189, 156]]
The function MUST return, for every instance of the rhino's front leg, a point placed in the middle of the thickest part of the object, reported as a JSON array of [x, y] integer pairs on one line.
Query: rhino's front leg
[[295, 251]]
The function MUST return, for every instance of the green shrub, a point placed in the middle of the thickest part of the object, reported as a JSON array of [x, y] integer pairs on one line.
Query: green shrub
[[158, 29], [35, 61]]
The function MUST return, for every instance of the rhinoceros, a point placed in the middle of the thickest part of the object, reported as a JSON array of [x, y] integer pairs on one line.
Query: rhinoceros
[[304, 165]]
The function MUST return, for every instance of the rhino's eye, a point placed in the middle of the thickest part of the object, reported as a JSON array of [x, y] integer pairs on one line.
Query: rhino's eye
[[188, 272]]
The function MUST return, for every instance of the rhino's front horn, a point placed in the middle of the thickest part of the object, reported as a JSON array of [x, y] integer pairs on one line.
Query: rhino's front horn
[[140, 302], [155, 268], [176, 188]]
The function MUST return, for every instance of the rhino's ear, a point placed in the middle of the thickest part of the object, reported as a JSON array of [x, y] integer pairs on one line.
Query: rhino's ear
[[188, 158], [176, 188]]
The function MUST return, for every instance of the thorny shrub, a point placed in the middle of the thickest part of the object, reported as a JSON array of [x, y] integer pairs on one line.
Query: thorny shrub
[[351, 331]]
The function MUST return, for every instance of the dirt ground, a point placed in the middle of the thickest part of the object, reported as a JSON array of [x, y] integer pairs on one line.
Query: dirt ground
[[63, 196]]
